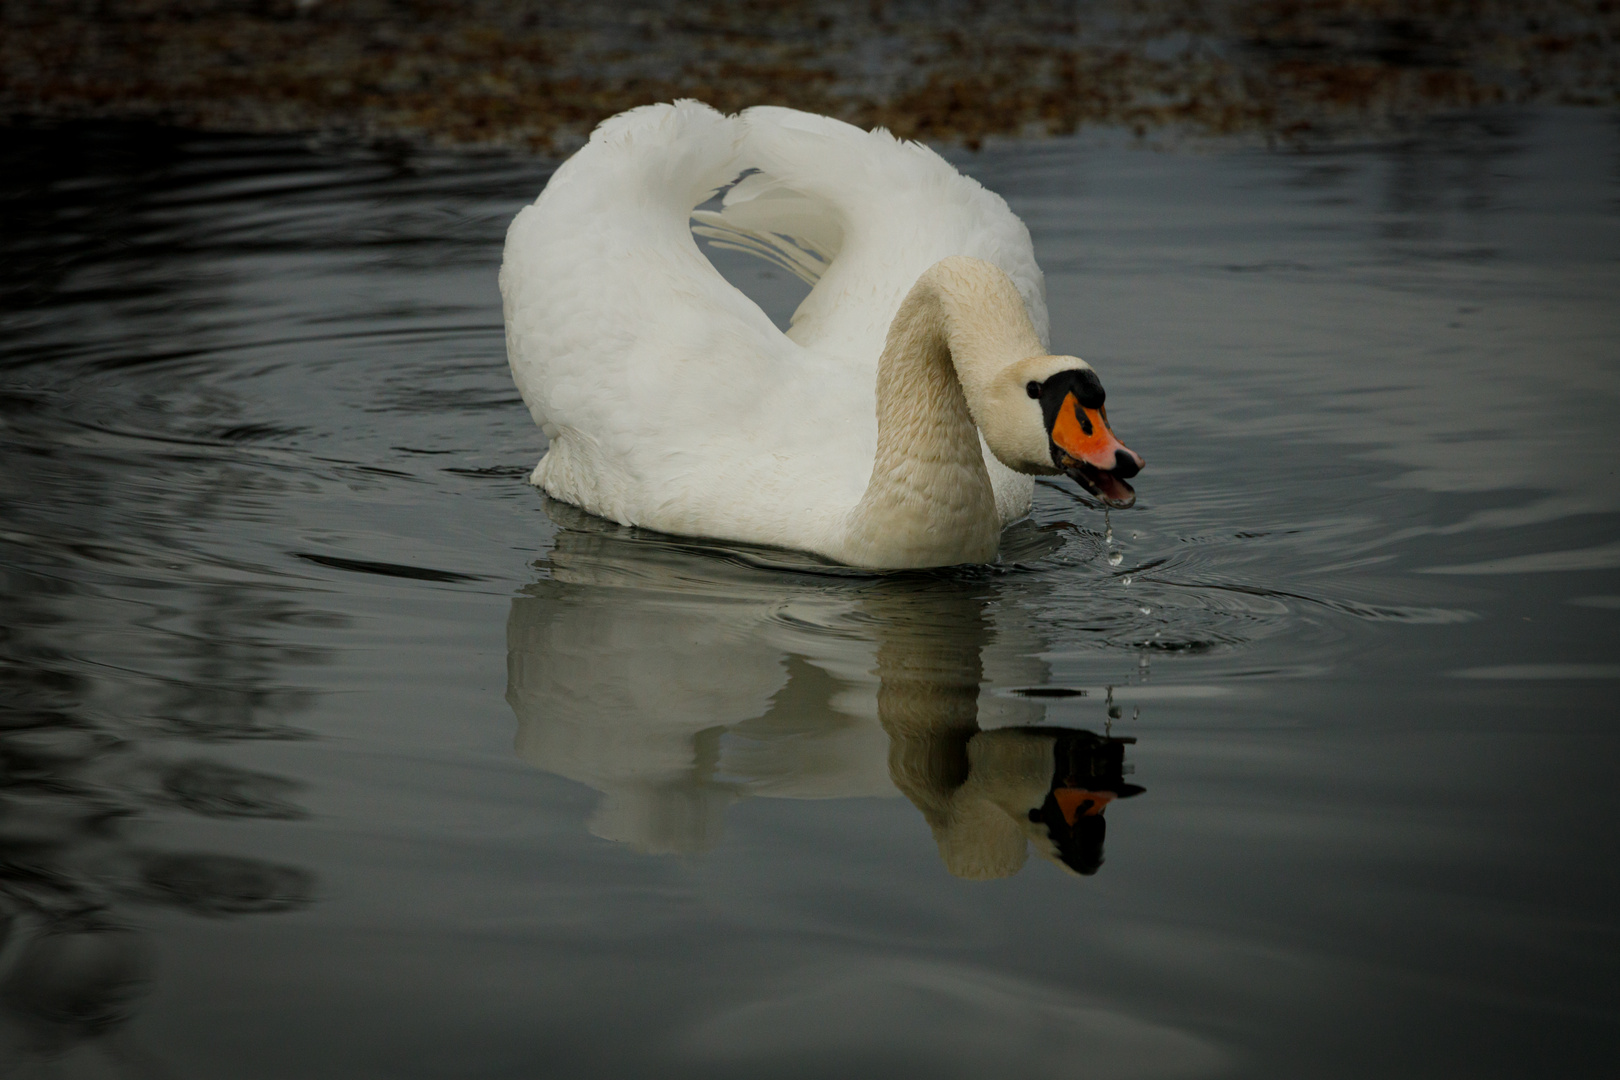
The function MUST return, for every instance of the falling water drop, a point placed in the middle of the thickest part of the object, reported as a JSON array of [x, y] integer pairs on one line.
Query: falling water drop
[[1115, 558], [1145, 610], [1126, 580]]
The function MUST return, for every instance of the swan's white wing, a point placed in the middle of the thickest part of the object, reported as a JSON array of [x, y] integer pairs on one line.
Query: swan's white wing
[[775, 223], [886, 210], [669, 398], [764, 218]]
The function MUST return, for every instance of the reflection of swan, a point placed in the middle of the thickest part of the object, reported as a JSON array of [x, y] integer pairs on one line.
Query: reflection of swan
[[861, 1016], [672, 402], [676, 683], [986, 794]]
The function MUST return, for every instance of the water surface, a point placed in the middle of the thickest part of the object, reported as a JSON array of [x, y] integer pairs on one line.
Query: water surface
[[333, 749]]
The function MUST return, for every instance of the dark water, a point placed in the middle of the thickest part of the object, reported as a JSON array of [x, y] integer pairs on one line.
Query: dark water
[[331, 750]]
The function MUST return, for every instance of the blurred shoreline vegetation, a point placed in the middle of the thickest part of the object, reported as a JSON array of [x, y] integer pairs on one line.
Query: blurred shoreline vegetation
[[539, 76]]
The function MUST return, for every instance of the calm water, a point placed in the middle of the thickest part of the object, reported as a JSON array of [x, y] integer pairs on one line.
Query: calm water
[[333, 750]]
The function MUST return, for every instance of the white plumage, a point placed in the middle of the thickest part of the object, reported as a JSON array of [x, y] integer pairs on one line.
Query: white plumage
[[671, 401]]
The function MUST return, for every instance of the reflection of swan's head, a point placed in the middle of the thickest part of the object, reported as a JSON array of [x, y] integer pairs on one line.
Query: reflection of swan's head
[[1088, 774], [1040, 787]]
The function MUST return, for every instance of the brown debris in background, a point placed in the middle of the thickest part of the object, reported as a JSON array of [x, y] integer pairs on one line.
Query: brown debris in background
[[512, 73]]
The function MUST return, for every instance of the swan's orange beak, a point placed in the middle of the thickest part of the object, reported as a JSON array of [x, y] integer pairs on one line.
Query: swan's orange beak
[[1077, 802], [1085, 447]]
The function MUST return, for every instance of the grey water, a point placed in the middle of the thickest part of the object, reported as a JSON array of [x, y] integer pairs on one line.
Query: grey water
[[331, 749]]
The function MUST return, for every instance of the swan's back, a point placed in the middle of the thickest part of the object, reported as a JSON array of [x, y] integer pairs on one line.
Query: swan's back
[[669, 398]]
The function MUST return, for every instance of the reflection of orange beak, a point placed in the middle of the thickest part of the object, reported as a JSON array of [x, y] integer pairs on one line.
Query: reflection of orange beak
[[1085, 436], [1077, 802]]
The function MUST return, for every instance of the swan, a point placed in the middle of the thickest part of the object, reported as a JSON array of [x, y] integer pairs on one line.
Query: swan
[[896, 424]]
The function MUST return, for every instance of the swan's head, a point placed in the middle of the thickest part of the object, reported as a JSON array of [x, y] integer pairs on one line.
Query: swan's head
[[1059, 424]]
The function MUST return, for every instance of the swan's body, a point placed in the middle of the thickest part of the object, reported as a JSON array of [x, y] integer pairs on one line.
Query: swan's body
[[672, 402]]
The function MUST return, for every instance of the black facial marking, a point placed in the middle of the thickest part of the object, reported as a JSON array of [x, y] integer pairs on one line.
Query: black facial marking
[[1082, 383], [1089, 388]]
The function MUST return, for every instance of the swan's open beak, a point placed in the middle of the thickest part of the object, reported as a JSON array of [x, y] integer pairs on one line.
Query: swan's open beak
[[1085, 447]]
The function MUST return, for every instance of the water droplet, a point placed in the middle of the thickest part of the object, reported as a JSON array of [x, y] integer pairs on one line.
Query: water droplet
[[1115, 558], [1146, 610], [1108, 534], [1126, 580]]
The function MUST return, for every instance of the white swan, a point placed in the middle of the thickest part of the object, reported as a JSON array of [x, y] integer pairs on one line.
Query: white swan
[[672, 402]]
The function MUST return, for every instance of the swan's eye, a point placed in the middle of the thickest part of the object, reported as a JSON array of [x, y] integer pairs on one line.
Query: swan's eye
[[1033, 389]]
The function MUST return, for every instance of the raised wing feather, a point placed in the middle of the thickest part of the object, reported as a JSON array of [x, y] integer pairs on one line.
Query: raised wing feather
[[891, 209]]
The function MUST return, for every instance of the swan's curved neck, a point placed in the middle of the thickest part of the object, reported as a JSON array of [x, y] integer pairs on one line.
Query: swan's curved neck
[[929, 502]]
